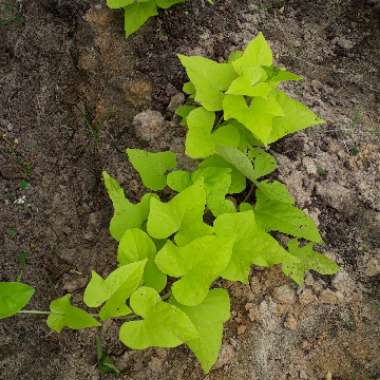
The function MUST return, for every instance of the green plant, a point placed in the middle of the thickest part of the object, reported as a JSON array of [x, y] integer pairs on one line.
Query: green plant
[[171, 253], [10, 14], [138, 12]]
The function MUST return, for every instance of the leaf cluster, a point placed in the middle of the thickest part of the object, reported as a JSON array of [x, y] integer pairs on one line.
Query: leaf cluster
[[168, 256], [138, 12]]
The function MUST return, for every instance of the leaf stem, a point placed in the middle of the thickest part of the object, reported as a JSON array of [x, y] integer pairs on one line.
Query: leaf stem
[[38, 312]]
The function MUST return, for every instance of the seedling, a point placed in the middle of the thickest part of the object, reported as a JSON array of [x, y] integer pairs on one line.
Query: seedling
[[138, 12], [168, 257], [24, 185]]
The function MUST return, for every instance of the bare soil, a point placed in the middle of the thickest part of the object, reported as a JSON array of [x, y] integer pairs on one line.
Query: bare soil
[[70, 85]]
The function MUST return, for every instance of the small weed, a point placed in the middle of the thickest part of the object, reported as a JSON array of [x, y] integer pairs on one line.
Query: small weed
[[21, 260], [12, 232], [10, 14], [24, 185], [105, 364], [354, 151], [320, 171]]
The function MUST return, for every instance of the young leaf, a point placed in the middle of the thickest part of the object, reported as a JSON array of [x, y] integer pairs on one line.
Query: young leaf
[[136, 245], [209, 78], [208, 318], [217, 182], [63, 314], [114, 290], [152, 167], [275, 211], [257, 53], [250, 83], [252, 245], [201, 141], [238, 182], [296, 117], [182, 215], [126, 214], [308, 260], [264, 163], [13, 297], [238, 160], [137, 14], [163, 325], [256, 117], [198, 264], [179, 180]]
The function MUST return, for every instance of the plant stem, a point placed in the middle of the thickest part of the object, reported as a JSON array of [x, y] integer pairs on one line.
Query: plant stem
[[39, 312]]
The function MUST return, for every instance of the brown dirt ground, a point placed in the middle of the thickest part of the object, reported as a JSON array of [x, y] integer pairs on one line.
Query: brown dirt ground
[[70, 85]]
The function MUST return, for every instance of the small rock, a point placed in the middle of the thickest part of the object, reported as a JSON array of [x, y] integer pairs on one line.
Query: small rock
[[149, 125], [176, 101], [75, 284], [291, 323], [329, 297], [251, 311], [303, 375], [284, 294], [344, 43], [241, 329], [226, 355], [373, 267], [307, 297], [309, 165], [155, 364], [337, 196]]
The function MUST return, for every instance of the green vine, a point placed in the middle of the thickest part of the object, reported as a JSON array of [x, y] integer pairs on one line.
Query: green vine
[[168, 256]]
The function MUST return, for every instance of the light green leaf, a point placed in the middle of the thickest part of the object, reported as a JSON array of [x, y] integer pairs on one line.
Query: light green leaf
[[308, 260], [165, 4], [201, 140], [99, 290], [245, 206], [251, 83], [164, 325], [263, 162], [209, 78], [257, 53], [217, 182], [238, 182], [252, 245], [152, 167], [277, 75], [198, 264], [136, 245], [275, 211], [257, 117], [238, 160], [183, 112], [296, 117], [13, 297], [63, 314], [132, 275], [188, 88], [179, 180], [137, 14], [126, 214], [114, 4], [182, 215], [227, 134], [208, 318]]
